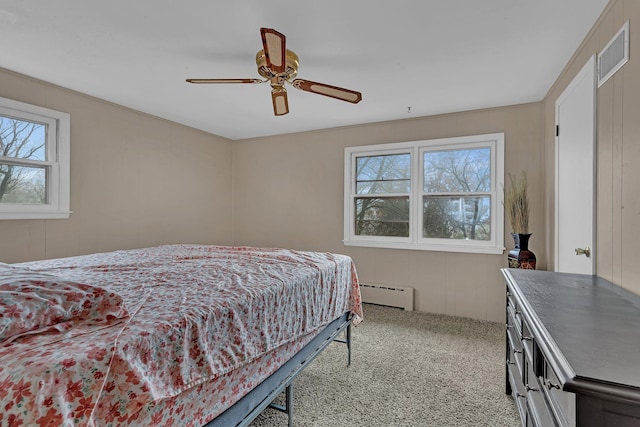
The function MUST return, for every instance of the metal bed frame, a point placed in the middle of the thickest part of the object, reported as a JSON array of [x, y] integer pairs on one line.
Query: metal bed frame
[[253, 403]]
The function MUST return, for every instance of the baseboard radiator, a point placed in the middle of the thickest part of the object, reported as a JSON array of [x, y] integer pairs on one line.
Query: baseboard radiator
[[392, 296]]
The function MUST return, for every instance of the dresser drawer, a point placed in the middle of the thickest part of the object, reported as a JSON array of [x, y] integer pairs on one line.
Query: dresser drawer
[[563, 403], [514, 315], [526, 338], [518, 392], [515, 352], [538, 408]]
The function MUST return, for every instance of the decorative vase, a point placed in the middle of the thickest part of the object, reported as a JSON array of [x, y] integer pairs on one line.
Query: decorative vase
[[512, 255], [526, 258]]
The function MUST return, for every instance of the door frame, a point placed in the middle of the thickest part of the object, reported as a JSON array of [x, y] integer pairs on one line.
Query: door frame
[[588, 68]]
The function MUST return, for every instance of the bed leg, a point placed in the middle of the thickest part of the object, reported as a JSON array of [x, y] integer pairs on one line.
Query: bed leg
[[289, 404], [349, 345]]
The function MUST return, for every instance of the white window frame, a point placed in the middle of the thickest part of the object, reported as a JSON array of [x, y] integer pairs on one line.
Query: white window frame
[[494, 141], [57, 163], [389, 240]]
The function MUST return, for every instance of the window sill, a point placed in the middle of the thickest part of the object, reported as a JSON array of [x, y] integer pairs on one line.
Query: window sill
[[35, 215], [491, 250]]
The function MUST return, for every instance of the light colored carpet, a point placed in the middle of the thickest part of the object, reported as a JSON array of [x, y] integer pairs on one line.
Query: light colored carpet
[[408, 369]]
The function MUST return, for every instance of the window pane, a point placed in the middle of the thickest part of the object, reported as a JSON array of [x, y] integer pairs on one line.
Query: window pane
[[383, 216], [22, 139], [454, 171], [23, 184], [383, 174], [466, 218]]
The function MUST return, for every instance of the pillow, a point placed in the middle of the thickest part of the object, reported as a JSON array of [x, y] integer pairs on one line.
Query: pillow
[[32, 302]]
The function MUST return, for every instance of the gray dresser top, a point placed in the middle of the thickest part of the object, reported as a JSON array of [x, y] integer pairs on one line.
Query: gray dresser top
[[594, 324]]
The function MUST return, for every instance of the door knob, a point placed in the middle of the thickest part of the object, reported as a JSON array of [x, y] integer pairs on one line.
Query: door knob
[[586, 251]]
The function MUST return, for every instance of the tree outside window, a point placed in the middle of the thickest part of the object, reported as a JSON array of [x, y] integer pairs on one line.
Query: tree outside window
[[22, 147], [383, 184], [457, 194]]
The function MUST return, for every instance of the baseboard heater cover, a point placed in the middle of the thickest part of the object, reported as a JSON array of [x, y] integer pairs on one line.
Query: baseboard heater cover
[[390, 295]]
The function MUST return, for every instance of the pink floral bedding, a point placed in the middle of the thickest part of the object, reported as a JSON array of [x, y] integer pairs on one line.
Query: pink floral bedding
[[32, 303], [197, 315]]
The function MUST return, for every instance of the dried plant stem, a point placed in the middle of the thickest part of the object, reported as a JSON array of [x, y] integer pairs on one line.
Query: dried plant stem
[[516, 202]]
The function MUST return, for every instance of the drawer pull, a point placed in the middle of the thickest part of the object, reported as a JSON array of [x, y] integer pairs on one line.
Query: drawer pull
[[521, 395], [527, 338], [531, 388], [551, 385], [508, 326], [517, 351]]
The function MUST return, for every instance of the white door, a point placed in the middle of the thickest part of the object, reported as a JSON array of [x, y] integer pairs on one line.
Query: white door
[[575, 172]]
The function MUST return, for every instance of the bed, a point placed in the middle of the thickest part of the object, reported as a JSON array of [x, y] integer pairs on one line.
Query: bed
[[170, 335]]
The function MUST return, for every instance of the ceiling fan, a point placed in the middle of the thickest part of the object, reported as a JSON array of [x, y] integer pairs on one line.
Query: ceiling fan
[[279, 66]]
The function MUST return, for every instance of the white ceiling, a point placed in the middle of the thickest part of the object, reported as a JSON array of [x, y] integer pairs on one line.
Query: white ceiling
[[434, 56]]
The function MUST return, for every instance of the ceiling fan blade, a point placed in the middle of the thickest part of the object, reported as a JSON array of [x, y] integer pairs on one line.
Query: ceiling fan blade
[[280, 101], [201, 81], [328, 90], [274, 45]]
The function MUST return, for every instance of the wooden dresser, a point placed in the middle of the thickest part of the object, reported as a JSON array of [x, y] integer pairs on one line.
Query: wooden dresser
[[572, 350]]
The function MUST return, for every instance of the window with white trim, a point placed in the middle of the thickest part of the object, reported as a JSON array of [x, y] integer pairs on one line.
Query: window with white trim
[[440, 195], [34, 161]]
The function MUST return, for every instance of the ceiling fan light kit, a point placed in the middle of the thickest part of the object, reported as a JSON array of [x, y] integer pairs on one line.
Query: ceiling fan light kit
[[279, 66]]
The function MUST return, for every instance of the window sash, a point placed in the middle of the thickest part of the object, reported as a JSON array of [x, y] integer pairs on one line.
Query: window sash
[[462, 175], [352, 190], [492, 194], [393, 222], [384, 181], [459, 224]]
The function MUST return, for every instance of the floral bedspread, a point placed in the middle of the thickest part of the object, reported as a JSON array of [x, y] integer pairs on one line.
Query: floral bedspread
[[196, 313]]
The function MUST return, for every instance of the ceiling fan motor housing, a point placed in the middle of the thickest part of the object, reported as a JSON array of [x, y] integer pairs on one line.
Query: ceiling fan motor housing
[[292, 62]]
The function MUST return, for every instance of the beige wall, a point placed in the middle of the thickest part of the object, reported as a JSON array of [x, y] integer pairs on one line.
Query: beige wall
[[288, 192], [618, 149], [136, 181]]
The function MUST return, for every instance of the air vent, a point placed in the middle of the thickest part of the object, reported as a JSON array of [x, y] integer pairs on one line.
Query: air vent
[[614, 55]]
